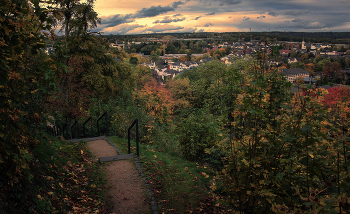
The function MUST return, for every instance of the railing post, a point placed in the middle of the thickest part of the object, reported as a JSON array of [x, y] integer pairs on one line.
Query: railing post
[[77, 129], [92, 134], [98, 129], [84, 130], [107, 122], [129, 140], [67, 127], [98, 126], [137, 138], [136, 122]]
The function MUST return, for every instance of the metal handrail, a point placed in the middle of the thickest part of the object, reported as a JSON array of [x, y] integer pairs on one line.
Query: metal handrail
[[92, 134], [136, 122], [98, 127], [65, 127], [76, 129]]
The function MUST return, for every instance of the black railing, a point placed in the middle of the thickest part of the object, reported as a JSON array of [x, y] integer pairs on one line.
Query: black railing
[[66, 128], [76, 130], [92, 133], [136, 122], [98, 127]]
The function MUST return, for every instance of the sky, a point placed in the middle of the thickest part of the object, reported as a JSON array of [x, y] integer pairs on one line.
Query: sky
[[169, 16]]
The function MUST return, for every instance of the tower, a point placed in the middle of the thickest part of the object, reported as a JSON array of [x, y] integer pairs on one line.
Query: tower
[[303, 47]]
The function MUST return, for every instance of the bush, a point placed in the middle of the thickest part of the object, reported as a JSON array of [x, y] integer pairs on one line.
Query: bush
[[198, 131]]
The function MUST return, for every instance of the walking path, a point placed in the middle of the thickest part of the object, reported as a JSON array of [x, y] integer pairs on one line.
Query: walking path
[[127, 193]]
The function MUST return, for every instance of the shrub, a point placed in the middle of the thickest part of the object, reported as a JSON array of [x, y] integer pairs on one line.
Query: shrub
[[198, 131]]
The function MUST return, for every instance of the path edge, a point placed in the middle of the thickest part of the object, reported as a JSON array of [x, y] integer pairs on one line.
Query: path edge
[[151, 198]]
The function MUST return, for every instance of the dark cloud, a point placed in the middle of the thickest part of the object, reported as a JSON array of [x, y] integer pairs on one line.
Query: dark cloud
[[162, 28], [271, 13], [221, 2], [308, 24], [210, 14], [177, 3], [157, 10], [198, 17], [201, 30], [208, 25], [125, 29], [177, 15], [229, 2], [296, 13], [116, 20], [246, 18], [261, 17], [168, 19], [153, 11]]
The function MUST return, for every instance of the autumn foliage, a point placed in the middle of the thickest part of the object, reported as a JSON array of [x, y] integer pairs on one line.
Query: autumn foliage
[[336, 95]]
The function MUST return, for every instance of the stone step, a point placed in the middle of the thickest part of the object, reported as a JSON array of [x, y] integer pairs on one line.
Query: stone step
[[87, 139], [116, 157]]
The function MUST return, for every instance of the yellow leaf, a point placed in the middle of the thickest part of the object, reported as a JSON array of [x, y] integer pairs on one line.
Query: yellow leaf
[[81, 151], [39, 196], [50, 193], [311, 155], [60, 185]]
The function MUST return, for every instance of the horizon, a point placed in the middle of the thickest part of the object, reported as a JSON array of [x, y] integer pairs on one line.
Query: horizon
[[134, 17]]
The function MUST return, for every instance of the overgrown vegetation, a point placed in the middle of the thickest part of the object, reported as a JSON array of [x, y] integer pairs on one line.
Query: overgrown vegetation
[[266, 150], [178, 185], [64, 178]]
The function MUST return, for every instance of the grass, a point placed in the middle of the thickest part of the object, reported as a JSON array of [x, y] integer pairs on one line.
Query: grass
[[179, 186], [64, 178]]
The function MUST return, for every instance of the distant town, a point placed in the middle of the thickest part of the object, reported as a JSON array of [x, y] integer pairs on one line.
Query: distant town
[[312, 58]]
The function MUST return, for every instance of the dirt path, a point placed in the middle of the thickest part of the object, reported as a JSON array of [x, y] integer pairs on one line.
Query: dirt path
[[127, 194]]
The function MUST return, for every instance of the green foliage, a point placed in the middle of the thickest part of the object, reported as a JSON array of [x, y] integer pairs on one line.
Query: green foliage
[[133, 60], [179, 185], [26, 78], [198, 130]]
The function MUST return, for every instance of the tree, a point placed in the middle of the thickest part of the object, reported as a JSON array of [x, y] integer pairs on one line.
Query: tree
[[155, 57], [198, 131], [68, 8], [182, 93], [133, 60], [330, 70], [84, 15], [27, 78], [183, 58], [311, 68], [336, 95]]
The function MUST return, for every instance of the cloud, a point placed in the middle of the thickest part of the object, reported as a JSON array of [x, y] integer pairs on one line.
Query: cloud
[[208, 25], [168, 19], [246, 18], [177, 3], [229, 2], [273, 13], [157, 10], [176, 15], [222, 2], [118, 19], [261, 17], [296, 13], [162, 28], [153, 11], [201, 30], [210, 14], [127, 28], [308, 24]]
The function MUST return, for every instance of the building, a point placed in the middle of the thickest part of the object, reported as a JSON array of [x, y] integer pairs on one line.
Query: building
[[293, 73]]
